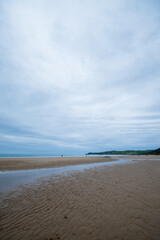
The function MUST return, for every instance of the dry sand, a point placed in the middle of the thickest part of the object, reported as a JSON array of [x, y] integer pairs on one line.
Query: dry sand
[[120, 202]]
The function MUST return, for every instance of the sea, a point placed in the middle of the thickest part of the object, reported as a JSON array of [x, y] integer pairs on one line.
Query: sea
[[15, 155]]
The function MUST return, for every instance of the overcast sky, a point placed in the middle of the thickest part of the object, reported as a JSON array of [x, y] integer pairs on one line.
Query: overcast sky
[[79, 75]]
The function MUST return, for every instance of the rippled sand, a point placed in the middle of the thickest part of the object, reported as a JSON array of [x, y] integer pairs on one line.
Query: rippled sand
[[103, 203]]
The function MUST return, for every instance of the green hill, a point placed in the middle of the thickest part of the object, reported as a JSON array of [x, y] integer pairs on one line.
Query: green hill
[[155, 152], [127, 152]]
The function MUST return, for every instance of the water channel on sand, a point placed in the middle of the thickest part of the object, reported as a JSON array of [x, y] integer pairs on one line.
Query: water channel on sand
[[10, 180]]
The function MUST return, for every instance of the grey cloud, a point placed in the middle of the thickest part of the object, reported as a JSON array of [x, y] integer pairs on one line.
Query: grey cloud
[[80, 75]]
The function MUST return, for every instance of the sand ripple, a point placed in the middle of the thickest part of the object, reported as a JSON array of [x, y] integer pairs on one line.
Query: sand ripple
[[118, 202]]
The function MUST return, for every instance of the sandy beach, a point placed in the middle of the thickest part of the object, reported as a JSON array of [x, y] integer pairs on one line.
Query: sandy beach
[[117, 202], [8, 164]]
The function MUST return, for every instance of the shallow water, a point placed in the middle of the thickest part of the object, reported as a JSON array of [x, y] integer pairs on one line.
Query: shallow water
[[10, 180]]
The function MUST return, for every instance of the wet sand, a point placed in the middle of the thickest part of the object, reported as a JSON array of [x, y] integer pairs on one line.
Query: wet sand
[[8, 164], [118, 202]]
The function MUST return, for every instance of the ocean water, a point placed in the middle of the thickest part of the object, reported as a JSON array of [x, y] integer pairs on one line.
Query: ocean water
[[14, 155]]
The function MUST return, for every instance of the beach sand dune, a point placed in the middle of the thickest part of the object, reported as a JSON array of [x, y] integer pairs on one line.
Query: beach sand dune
[[120, 202]]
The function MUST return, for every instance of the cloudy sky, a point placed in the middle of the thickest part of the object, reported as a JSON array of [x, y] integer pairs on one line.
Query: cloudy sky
[[79, 75]]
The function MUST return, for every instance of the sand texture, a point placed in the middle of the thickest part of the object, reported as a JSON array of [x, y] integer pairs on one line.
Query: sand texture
[[120, 202], [47, 162]]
